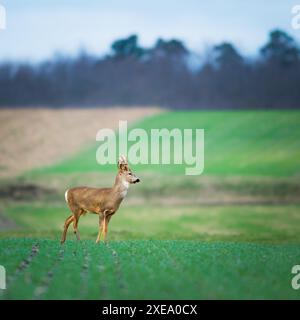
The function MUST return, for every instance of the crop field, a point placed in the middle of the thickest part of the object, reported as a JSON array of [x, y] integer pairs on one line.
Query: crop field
[[240, 143], [231, 233], [42, 269]]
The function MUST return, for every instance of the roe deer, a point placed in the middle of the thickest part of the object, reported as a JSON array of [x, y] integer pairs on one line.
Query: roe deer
[[102, 201]]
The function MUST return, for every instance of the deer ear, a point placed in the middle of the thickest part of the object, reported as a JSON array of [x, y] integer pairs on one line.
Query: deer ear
[[119, 164]]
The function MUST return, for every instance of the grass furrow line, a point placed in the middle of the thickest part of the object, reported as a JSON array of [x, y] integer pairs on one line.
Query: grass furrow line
[[42, 288], [64, 278], [152, 270], [137, 267], [174, 262], [85, 272], [40, 269], [170, 264], [24, 264], [118, 270]]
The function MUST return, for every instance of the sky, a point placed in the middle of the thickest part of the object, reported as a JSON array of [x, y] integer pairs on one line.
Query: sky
[[37, 29]]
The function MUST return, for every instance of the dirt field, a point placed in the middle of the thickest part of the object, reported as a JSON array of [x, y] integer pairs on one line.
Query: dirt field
[[31, 138]]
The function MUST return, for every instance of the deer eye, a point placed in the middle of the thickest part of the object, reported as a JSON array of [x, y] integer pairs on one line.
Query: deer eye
[[129, 173]]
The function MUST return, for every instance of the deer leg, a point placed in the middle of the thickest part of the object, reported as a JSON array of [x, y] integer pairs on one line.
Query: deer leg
[[101, 219], [75, 227], [75, 222], [106, 221], [66, 226]]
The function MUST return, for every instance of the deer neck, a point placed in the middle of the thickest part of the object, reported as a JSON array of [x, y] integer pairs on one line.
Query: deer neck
[[121, 187]]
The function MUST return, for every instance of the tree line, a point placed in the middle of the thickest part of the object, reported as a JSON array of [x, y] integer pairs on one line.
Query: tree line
[[131, 75]]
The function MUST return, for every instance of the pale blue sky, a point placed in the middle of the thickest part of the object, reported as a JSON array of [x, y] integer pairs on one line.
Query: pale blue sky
[[37, 29]]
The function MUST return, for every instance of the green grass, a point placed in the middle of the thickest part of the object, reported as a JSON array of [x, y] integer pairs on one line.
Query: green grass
[[233, 232], [244, 143], [247, 223], [147, 270]]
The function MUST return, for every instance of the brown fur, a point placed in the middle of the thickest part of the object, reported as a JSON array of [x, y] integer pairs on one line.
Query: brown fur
[[102, 201]]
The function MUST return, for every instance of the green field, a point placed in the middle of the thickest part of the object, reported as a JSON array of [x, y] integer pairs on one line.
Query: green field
[[243, 143], [42, 269], [232, 232], [266, 224]]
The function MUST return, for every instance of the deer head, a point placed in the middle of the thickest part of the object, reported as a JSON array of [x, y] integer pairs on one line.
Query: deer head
[[125, 172]]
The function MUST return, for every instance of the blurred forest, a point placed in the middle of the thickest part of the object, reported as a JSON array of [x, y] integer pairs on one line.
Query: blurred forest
[[162, 75]]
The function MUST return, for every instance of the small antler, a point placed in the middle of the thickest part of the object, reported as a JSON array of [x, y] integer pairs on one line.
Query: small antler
[[122, 159], [122, 163]]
